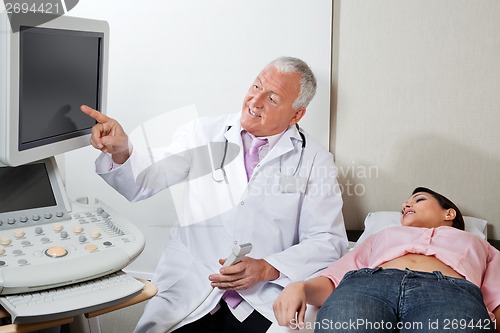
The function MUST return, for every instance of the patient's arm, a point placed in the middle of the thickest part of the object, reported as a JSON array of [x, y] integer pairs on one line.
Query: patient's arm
[[293, 299], [318, 290]]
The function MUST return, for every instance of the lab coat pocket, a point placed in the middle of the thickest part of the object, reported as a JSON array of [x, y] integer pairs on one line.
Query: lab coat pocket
[[282, 206], [292, 184]]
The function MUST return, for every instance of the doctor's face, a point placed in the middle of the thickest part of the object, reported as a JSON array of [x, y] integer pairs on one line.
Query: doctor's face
[[267, 107]]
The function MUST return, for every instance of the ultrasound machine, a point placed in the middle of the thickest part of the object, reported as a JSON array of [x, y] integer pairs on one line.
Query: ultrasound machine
[[57, 258]]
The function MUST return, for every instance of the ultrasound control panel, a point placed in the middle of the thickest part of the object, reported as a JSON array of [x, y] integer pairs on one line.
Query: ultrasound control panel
[[63, 243]]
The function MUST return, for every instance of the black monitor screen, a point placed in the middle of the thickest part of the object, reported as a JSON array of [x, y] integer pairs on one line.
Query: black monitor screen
[[59, 71], [25, 187]]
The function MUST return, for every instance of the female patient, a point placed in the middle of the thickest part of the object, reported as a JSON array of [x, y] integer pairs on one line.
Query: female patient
[[426, 276]]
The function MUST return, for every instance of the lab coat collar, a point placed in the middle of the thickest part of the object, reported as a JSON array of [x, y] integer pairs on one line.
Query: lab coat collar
[[235, 171], [233, 134], [232, 130], [284, 145], [289, 141]]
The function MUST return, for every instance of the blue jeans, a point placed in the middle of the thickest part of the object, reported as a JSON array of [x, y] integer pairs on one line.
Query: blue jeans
[[392, 300]]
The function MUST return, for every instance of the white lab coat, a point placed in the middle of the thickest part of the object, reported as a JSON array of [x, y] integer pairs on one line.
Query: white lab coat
[[297, 229]]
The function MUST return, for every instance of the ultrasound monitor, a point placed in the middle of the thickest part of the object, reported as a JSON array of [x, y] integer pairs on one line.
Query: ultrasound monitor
[[46, 72], [50, 70]]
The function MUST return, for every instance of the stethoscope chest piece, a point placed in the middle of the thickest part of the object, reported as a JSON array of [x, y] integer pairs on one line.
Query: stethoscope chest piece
[[219, 175]]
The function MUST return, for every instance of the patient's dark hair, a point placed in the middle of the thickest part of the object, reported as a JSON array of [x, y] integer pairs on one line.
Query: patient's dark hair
[[445, 203]]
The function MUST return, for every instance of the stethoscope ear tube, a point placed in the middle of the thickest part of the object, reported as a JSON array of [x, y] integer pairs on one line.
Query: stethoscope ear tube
[[219, 174]]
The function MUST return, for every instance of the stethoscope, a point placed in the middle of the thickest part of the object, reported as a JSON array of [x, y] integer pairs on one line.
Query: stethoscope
[[219, 174]]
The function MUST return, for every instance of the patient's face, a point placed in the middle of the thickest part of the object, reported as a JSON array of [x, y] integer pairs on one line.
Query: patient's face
[[423, 210]]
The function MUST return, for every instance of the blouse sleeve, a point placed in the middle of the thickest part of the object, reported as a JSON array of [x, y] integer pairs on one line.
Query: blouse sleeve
[[490, 286], [355, 259]]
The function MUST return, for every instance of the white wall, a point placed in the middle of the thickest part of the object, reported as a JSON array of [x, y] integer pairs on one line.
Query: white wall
[[168, 54], [418, 103]]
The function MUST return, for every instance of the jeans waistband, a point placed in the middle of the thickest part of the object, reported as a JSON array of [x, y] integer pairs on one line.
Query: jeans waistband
[[406, 272]]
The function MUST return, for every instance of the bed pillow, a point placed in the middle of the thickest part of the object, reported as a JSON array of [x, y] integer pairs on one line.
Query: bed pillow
[[376, 221]]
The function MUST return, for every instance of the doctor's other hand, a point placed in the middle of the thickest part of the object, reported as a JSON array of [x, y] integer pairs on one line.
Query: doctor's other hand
[[243, 275], [290, 306], [108, 135]]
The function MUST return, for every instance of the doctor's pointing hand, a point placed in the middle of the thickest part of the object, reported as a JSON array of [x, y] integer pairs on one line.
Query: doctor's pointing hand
[[108, 135]]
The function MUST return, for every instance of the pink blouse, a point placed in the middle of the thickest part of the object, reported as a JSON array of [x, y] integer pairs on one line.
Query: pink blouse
[[467, 254]]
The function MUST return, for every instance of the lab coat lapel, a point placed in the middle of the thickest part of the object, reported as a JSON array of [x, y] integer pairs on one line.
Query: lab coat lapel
[[235, 169], [284, 145]]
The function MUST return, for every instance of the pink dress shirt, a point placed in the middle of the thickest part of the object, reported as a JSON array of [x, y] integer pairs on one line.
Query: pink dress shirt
[[467, 254]]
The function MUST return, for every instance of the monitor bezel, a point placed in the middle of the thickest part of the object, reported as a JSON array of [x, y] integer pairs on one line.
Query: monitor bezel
[[10, 153]]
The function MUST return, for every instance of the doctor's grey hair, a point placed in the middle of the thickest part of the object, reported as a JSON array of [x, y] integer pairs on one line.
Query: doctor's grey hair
[[307, 80]]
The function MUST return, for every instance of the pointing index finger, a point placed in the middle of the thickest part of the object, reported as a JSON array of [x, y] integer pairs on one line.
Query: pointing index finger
[[100, 117]]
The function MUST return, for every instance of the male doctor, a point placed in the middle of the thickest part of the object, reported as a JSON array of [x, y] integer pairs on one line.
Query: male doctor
[[272, 186]]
